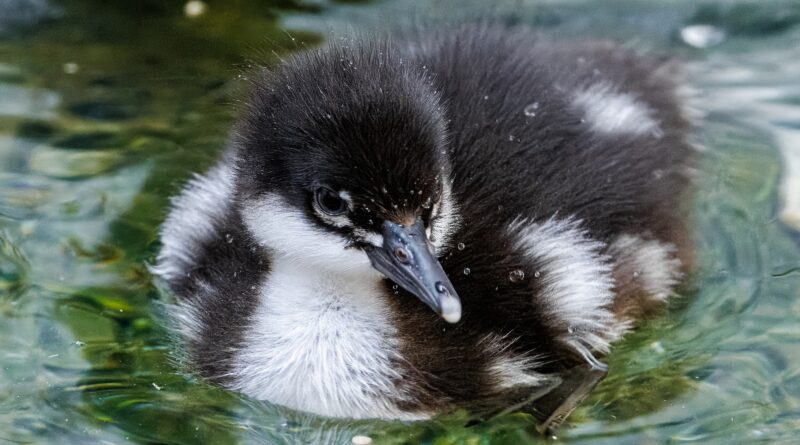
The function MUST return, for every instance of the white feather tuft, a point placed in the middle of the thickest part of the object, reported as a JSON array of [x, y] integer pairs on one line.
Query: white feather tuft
[[508, 370], [656, 267], [193, 219], [576, 279], [446, 220], [609, 111]]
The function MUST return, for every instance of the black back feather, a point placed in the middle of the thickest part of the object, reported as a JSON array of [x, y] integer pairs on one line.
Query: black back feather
[[386, 117]]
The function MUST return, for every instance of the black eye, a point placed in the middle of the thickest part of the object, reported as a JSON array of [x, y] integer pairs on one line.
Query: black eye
[[329, 202]]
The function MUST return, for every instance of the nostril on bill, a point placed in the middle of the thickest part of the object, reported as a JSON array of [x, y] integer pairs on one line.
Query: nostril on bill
[[440, 287], [401, 254]]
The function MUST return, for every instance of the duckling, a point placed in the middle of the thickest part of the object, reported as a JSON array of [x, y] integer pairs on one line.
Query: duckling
[[401, 227]]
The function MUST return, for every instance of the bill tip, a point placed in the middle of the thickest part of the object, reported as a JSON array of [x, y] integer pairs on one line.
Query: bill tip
[[451, 310]]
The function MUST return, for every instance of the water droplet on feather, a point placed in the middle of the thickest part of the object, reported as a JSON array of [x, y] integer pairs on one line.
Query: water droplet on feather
[[530, 110]]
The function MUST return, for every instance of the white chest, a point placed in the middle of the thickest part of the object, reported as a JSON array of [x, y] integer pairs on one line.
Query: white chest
[[321, 343]]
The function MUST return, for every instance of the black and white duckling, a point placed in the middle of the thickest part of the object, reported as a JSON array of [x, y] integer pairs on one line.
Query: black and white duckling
[[401, 228]]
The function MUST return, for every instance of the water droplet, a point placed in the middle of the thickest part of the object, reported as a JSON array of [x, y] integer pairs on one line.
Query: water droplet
[[361, 440], [485, 97], [71, 68], [702, 36], [427, 203], [79, 343], [570, 329], [194, 8], [530, 110], [461, 246], [511, 137], [228, 238], [394, 286], [537, 274], [636, 274], [516, 276], [384, 191], [467, 271]]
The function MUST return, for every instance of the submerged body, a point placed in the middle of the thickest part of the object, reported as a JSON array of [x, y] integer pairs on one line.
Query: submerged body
[[545, 178]]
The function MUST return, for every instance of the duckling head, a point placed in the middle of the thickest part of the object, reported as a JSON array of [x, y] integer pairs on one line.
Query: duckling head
[[342, 165]]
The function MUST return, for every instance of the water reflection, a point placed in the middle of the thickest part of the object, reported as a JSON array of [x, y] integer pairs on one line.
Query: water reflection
[[106, 110]]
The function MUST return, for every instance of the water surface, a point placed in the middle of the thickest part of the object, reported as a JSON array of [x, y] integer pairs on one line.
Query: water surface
[[106, 108]]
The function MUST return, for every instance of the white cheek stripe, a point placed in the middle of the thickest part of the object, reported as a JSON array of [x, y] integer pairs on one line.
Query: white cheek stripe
[[609, 111], [288, 233], [373, 238], [576, 280]]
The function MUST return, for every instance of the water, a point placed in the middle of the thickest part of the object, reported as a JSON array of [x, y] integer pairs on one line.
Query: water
[[105, 111]]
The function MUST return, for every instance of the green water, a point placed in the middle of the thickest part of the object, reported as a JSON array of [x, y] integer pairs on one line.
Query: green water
[[106, 107]]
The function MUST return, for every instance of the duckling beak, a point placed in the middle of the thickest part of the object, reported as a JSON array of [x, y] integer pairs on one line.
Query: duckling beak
[[408, 259]]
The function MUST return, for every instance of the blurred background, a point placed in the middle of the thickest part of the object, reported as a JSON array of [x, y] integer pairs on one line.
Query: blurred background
[[107, 107]]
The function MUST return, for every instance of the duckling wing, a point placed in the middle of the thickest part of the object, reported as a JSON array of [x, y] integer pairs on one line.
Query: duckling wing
[[212, 266]]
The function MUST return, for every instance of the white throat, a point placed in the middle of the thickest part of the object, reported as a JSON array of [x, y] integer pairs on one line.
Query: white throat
[[321, 342], [321, 339]]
